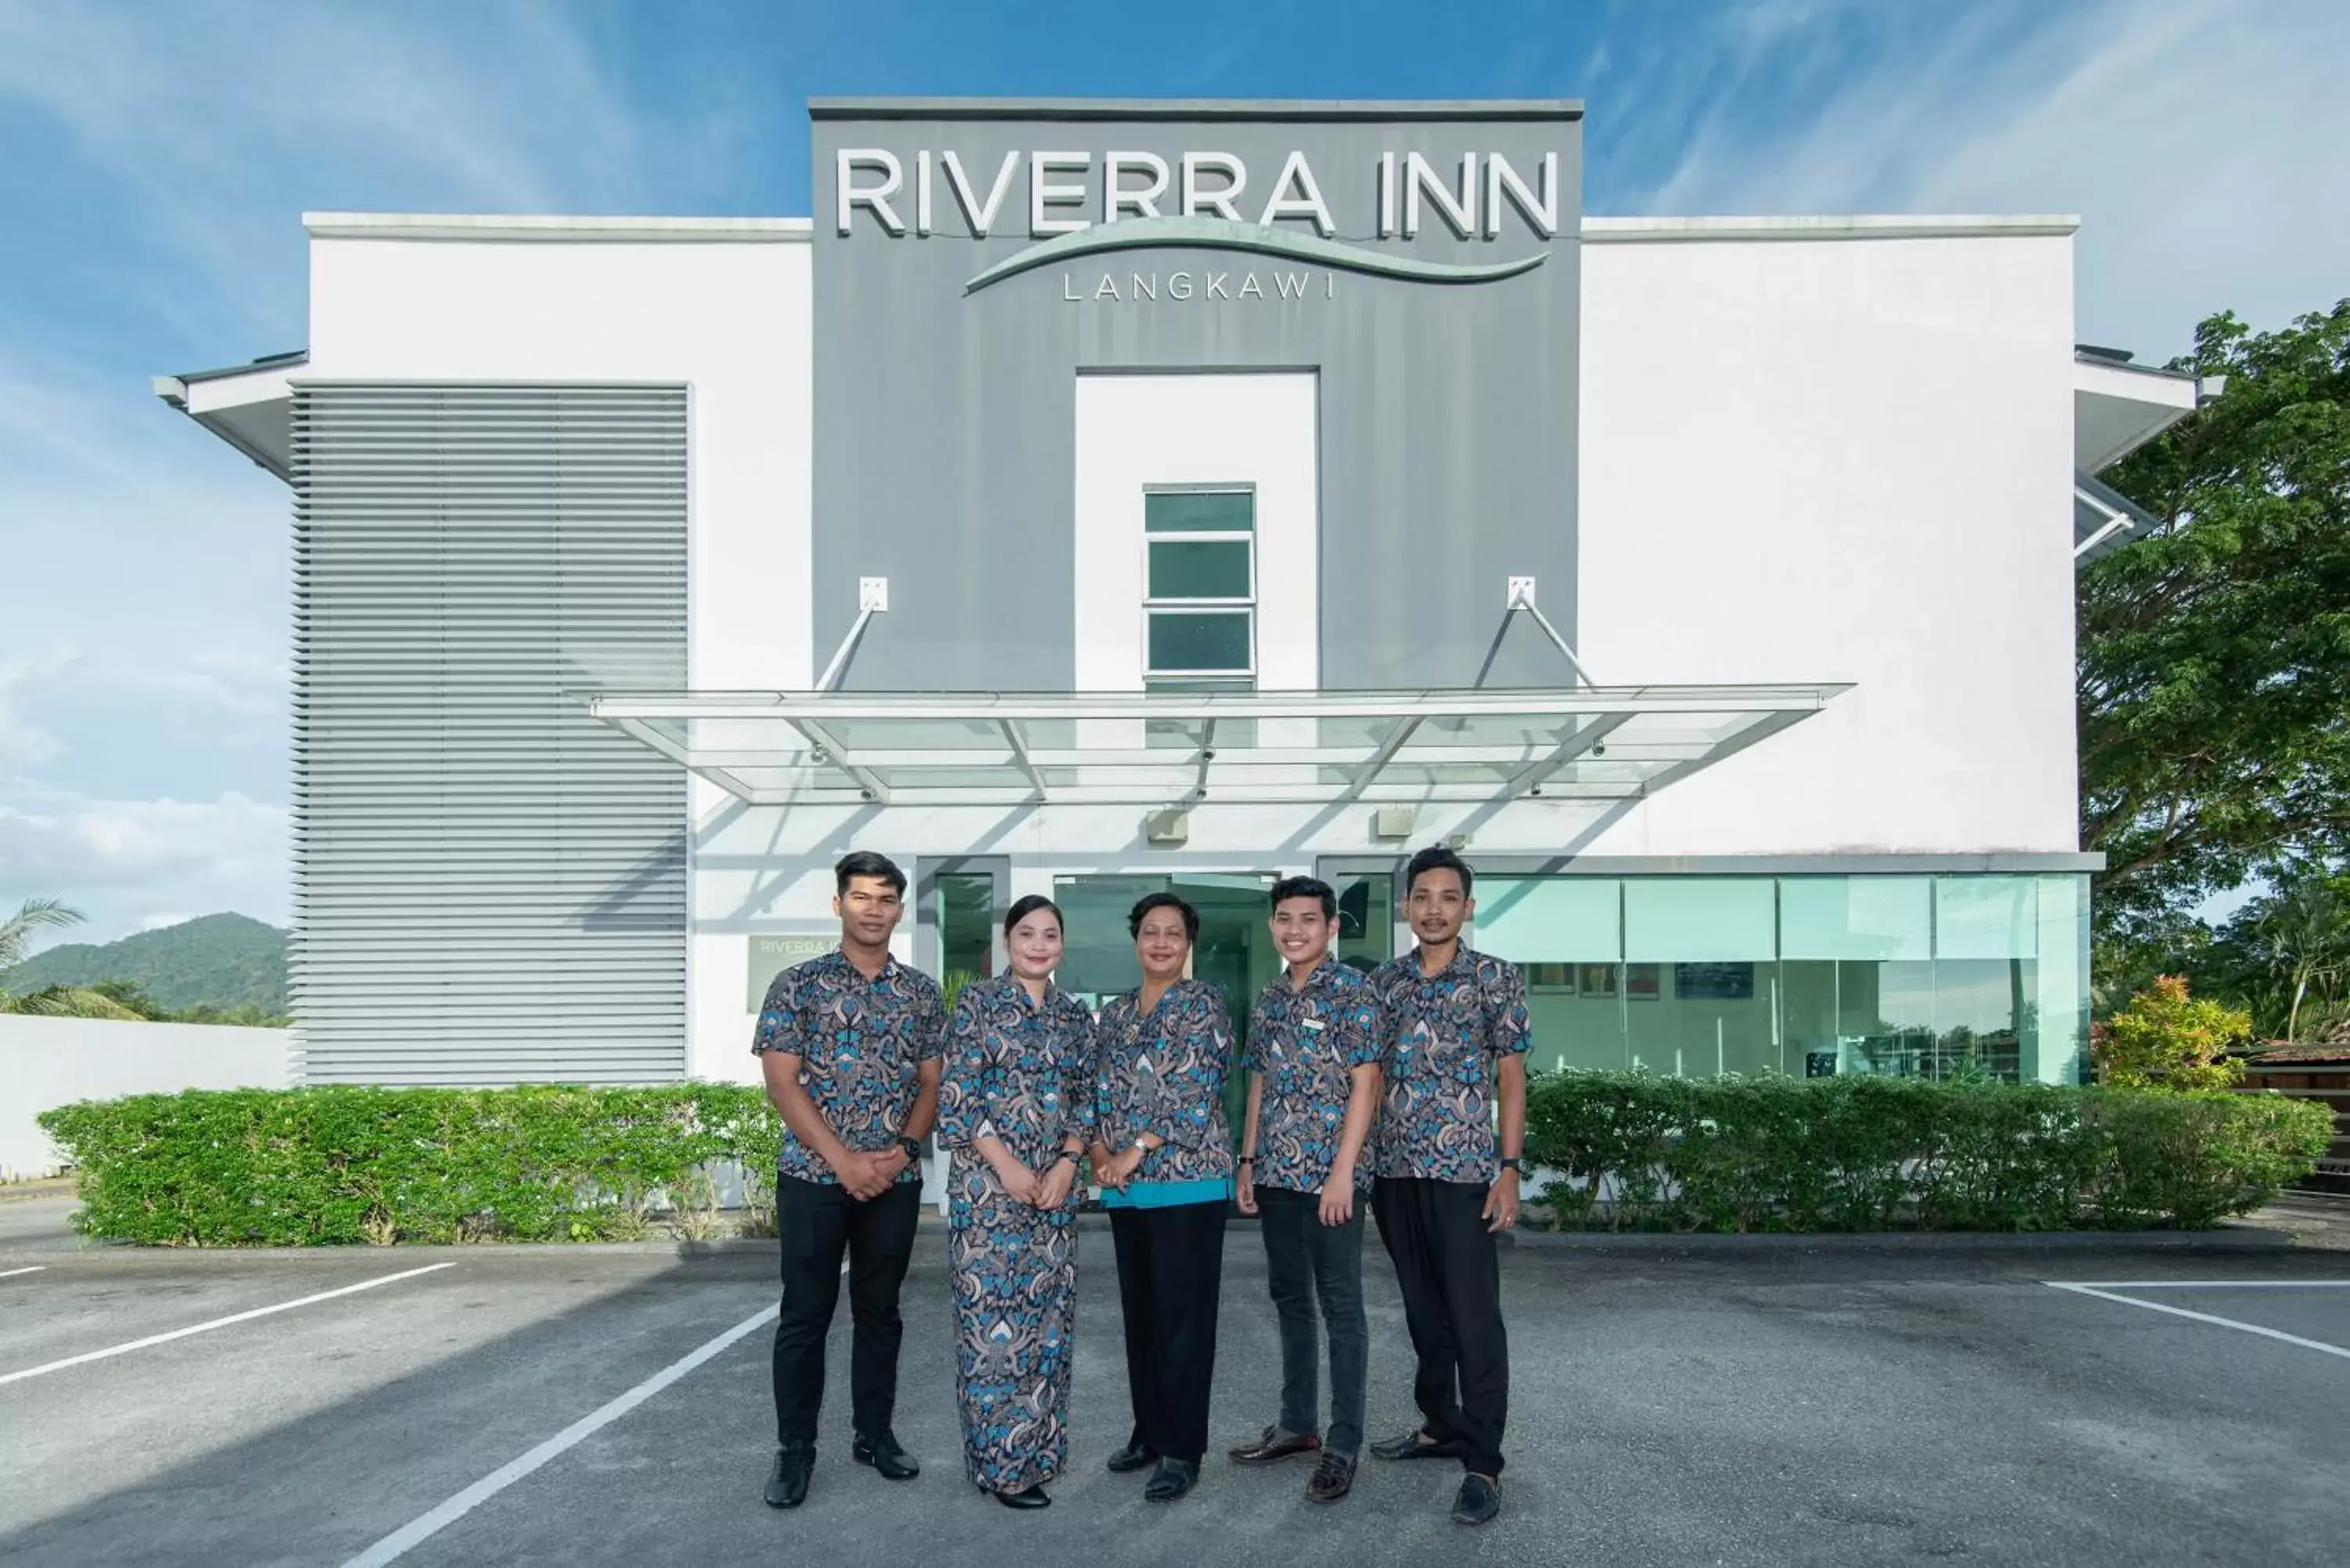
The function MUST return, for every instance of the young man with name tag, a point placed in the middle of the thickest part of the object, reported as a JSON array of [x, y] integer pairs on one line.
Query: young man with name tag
[[1456, 1036], [1312, 1061]]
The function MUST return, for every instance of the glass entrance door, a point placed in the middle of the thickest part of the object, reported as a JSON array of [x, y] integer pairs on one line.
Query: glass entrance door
[[1234, 952]]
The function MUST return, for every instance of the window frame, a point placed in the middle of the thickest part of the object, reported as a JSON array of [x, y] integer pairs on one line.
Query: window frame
[[1153, 606]]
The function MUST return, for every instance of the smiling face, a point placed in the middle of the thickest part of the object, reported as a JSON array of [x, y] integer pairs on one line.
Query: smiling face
[[1162, 944], [869, 910], [1438, 906], [1033, 945], [1300, 931]]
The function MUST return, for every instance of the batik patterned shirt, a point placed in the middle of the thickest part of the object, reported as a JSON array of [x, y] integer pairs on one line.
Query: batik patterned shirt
[[1444, 1035], [1305, 1045], [861, 1044], [1162, 1073], [1019, 1071]]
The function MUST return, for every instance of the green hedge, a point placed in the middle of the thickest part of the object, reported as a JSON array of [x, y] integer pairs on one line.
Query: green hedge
[[1884, 1154], [304, 1167], [339, 1166]]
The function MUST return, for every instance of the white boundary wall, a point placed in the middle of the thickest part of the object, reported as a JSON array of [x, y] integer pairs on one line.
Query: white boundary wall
[[50, 1061]]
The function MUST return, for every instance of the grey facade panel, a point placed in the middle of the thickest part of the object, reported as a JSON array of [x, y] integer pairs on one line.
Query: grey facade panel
[[945, 417], [490, 887]]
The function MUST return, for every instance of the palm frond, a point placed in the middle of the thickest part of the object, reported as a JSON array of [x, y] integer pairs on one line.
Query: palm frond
[[32, 915]]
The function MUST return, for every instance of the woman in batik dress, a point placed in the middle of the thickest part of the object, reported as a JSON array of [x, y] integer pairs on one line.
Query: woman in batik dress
[[1163, 1154], [1016, 1113]]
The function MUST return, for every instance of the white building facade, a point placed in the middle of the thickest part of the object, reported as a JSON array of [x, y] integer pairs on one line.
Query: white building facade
[[1099, 497]]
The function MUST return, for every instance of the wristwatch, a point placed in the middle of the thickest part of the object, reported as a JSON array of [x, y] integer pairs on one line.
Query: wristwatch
[[1514, 1163], [913, 1147]]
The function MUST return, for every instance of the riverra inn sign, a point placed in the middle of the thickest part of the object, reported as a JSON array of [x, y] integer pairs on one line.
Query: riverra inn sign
[[1078, 205]]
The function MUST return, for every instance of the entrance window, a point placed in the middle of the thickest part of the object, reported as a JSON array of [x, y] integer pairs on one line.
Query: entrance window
[[1199, 586]]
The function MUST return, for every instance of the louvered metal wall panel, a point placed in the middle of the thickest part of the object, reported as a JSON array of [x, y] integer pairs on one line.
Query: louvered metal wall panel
[[489, 887]]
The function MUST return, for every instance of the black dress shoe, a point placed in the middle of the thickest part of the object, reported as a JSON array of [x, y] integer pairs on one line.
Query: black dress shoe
[[787, 1483], [1171, 1481], [1131, 1458], [1479, 1501], [888, 1459], [1033, 1497], [1414, 1445]]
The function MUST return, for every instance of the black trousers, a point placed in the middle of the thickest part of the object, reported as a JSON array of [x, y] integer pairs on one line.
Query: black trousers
[[1171, 1270], [1449, 1272], [820, 1223], [1307, 1262]]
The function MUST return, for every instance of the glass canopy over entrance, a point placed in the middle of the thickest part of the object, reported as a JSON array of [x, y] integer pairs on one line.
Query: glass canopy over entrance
[[1467, 746]]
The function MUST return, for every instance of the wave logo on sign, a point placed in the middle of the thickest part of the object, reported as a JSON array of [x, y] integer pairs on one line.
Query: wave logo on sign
[[1257, 239]]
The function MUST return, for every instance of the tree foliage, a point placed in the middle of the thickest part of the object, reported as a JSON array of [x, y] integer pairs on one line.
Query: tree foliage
[[2166, 1039], [2214, 663]]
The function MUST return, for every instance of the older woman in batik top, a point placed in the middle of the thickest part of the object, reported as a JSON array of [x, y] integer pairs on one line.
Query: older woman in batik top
[[1164, 1154], [1015, 1112]]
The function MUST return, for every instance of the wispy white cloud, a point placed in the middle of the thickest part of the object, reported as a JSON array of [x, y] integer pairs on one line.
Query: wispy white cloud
[[127, 863], [2197, 140], [23, 742]]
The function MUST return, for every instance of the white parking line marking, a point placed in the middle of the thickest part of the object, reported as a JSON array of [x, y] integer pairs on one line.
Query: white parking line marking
[[154, 1339], [2278, 1335], [12, 1273], [2205, 1284], [400, 1542]]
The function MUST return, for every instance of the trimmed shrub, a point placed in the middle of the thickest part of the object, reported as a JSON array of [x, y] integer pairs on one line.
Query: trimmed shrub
[[323, 1167], [1772, 1153]]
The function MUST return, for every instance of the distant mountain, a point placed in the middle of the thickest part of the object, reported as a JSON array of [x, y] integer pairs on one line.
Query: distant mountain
[[227, 960]]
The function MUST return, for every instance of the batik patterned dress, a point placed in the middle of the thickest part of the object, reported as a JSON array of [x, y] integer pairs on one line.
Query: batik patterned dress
[[1019, 1071]]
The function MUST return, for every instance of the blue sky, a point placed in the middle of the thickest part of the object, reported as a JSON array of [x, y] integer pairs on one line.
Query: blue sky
[[155, 157]]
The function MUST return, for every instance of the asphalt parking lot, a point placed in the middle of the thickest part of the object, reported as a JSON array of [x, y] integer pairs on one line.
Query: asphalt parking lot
[[1739, 1405]]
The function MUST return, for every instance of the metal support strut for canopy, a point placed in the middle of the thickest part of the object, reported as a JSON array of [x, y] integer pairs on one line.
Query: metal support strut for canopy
[[1523, 600]]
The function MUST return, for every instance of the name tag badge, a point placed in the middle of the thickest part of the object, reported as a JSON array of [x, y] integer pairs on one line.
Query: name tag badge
[[1312, 1023]]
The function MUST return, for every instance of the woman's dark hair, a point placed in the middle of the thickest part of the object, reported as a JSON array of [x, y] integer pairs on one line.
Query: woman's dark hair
[[1437, 858], [1151, 901], [865, 863], [1023, 907]]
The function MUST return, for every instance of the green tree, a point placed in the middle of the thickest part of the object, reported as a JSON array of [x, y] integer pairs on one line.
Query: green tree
[[48, 1001], [2214, 663], [2165, 1039]]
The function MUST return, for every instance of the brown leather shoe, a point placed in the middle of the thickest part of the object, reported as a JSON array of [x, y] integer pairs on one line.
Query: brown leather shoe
[[1334, 1477], [1273, 1447]]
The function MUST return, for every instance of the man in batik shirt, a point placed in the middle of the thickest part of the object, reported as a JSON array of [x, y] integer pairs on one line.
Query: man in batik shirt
[[850, 1043], [1312, 1059], [1454, 1023]]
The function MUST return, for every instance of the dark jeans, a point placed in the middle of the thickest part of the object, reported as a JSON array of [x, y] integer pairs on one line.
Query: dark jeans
[[1305, 1261], [1449, 1272], [1171, 1267], [820, 1223]]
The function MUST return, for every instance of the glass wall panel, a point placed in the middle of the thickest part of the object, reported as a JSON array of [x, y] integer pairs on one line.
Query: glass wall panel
[[1986, 918], [1856, 918], [1565, 933], [1885, 1011], [1550, 920], [1700, 991], [2056, 1030], [1670, 920], [1978, 1009]]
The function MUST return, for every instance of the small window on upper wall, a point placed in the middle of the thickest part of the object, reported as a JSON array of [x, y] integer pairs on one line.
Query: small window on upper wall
[[1199, 586]]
